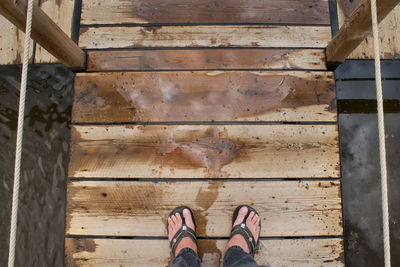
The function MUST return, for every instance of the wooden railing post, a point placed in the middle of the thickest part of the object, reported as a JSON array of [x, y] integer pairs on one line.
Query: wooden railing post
[[45, 32], [356, 28]]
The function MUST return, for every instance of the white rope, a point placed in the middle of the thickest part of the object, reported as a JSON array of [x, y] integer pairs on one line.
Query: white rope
[[382, 143], [18, 150]]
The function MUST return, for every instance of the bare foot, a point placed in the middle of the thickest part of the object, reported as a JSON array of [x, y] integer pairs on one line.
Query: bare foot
[[175, 225], [252, 222]]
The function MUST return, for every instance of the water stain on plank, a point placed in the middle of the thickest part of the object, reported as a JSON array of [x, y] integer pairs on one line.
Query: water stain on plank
[[209, 253], [197, 96], [205, 198], [211, 153], [209, 150], [73, 246]]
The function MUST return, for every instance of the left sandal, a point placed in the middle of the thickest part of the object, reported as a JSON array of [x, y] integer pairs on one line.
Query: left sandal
[[185, 231], [243, 230]]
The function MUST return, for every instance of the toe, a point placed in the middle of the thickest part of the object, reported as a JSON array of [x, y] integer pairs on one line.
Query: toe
[[242, 213], [250, 218], [173, 219], [178, 219], [171, 229], [188, 218], [254, 219]]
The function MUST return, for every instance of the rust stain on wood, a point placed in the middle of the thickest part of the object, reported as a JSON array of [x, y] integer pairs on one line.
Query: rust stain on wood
[[196, 96]]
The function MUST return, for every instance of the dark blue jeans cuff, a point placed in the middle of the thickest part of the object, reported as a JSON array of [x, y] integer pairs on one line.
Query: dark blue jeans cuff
[[186, 258], [236, 257]]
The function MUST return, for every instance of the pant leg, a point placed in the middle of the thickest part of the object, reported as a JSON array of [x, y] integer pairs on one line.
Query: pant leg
[[186, 258], [236, 257]]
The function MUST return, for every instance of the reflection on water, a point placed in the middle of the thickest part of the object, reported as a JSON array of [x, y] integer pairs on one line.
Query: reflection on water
[[361, 187], [45, 155]]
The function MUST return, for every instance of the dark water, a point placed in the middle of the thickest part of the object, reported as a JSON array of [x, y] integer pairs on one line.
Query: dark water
[[46, 137], [45, 154], [361, 189]]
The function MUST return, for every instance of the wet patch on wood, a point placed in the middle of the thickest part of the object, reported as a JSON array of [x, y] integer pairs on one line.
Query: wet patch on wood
[[185, 151], [204, 96], [209, 253], [74, 246], [288, 208]]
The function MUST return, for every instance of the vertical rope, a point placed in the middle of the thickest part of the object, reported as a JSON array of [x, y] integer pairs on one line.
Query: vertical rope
[[18, 150], [382, 143]]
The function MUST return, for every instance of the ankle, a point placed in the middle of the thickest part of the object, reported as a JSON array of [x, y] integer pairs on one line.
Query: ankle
[[238, 241], [186, 242]]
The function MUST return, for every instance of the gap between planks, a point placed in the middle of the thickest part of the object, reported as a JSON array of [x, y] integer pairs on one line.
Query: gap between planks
[[148, 253], [287, 208]]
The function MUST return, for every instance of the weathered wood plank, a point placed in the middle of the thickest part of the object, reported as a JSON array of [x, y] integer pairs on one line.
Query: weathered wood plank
[[114, 252], [12, 43], [287, 208], [356, 29], [389, 33], [61, 12], [206, 11], [12, 39], [201, 151], [44, 32], [205, 36], [205, 59], [205, 96]]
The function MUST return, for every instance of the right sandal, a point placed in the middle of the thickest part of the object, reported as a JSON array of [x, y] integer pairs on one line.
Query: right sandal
[[243, 230]]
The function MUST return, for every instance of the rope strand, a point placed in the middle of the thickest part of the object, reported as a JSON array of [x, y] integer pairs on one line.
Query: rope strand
[[18, 150], [382, 143]]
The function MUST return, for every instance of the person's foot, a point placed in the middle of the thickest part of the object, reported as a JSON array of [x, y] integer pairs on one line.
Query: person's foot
[[252, 222], [175, 225]]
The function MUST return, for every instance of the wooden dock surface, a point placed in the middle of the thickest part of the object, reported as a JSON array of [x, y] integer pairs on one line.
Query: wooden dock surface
[[308, 17], [208, 105]]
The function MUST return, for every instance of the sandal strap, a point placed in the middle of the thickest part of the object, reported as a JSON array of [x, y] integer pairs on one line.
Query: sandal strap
[[185, 231], [243, 230]]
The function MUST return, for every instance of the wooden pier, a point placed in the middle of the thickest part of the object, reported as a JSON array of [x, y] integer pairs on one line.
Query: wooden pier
[[204, 105], [208, 104]]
